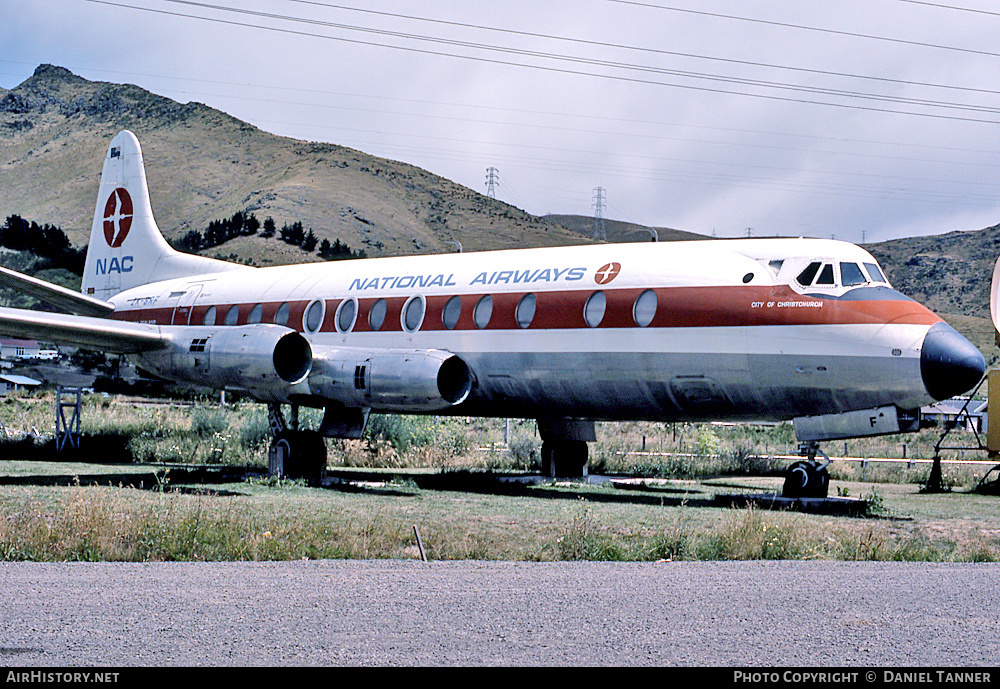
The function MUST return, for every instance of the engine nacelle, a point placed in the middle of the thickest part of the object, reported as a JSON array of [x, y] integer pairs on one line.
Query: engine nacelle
[[391, 380], [269, 361]]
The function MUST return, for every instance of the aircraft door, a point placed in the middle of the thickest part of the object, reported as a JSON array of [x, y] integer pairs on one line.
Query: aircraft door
[[185, 305]]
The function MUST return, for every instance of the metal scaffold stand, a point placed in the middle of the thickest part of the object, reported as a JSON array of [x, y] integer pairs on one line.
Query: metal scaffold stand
[[68, 431]]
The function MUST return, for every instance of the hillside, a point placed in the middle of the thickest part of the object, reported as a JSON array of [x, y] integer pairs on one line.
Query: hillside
[[203, 164], [948, 273]]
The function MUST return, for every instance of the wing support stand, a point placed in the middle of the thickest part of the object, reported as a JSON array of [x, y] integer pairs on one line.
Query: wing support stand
[[67, 432], [935, 480]]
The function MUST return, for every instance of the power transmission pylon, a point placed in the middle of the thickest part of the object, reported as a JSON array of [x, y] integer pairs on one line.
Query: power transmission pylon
[[599, 233], [492, 179]]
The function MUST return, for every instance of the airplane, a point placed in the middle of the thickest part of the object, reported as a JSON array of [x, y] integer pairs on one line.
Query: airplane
[[741, 330]]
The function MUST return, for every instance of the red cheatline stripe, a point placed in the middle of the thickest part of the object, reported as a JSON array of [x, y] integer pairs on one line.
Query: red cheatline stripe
[[677, 307]]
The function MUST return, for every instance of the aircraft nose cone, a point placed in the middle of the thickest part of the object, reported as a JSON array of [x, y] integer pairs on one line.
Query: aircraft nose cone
[[949, 364]]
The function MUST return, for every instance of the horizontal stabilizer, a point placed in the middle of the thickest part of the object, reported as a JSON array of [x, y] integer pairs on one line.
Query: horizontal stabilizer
[[62, 298], [101, 334]]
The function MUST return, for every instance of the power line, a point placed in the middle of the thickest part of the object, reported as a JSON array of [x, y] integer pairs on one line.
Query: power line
[[952, 7], [802, 27], [561, 115], [588, 61], [643, 49]]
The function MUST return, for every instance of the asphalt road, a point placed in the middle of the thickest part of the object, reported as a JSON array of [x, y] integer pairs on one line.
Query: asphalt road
[[409, 613]]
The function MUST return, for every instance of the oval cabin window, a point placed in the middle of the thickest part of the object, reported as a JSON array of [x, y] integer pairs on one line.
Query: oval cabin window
[[452, 312], [593, 310], [525, 312], [281, 315], [376, 317], [413, 314], [345, 315], [644, 309], [255, 314], [483, 312], [314, 316]]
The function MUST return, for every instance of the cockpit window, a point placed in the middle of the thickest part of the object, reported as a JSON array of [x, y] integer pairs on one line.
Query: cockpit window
[[875, 273], [850, 274], [826, 275], [805, 278]]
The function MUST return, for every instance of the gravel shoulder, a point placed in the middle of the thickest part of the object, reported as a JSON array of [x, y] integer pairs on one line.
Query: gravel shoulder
[[474, 613]]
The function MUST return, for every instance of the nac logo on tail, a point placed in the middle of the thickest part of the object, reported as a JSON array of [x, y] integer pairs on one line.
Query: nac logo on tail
[[117, 223], [117, 217]]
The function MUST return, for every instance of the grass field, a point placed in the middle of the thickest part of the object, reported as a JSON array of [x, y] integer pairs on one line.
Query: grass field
[[439, 475]]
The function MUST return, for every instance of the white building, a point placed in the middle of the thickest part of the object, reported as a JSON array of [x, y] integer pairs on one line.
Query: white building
[[19, 349]]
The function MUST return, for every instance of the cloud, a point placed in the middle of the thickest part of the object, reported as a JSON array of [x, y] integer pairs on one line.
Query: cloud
[[863, 120]]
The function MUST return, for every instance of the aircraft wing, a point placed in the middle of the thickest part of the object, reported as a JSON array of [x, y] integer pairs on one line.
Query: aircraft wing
[[62, 298], [100, 334]]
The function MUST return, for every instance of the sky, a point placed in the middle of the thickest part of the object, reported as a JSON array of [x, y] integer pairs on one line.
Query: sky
[[862, 120]]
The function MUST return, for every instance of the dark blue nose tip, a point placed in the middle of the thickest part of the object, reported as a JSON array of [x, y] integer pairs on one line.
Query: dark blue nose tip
[[949, 364]]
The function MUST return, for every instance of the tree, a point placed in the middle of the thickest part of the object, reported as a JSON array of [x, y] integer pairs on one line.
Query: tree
[[293, 234]]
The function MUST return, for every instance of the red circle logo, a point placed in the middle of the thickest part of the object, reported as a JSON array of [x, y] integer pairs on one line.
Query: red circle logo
[[607, 273], [117, 217]]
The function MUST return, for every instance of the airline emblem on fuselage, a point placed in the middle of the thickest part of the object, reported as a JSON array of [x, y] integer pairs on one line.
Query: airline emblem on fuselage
[[607, 273], [117, 217]]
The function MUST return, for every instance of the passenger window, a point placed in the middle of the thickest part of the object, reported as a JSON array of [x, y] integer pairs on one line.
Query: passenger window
[[233, 315], [314, 316], [850, 275], [377, 315], [644, 309], [281, 315], [593, 310], [525, 312], [413, 314], [345, 315], [255, 314], [452, 312], [483, 311], [826, 275], [806, 277], [209, 318]]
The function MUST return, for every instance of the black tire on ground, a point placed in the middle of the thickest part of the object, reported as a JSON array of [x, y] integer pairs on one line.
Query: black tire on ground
[[302, 453], [806, 480], [564, 458]]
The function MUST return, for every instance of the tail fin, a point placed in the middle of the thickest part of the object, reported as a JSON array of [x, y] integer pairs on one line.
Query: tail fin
[[126, 247]]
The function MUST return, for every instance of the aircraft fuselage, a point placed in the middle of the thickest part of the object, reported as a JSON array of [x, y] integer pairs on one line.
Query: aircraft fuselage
[[655, 331]]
